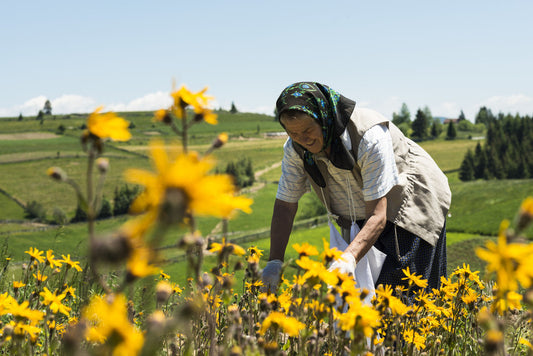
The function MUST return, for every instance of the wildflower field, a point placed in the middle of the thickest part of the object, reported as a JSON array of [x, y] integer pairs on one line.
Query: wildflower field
[[107, 287]]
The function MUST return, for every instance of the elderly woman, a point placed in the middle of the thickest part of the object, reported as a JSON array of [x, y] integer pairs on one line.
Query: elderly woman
[[365, 172]]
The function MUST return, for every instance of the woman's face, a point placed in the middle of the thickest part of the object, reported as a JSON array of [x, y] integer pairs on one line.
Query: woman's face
[[305, 131]]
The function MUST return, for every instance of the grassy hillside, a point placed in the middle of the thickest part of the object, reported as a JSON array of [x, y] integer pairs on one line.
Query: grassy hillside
[[28, 148]]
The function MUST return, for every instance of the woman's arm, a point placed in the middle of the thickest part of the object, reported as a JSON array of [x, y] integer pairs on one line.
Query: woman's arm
[[281, 227], [376, 218]]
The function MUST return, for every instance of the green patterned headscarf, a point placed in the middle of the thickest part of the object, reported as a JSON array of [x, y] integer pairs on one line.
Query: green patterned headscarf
[[332, 112]]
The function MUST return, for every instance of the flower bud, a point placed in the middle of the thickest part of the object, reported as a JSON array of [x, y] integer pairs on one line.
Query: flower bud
[[113, 249], [57, 174], [220, 140], [174, 206], [163, 116], [102, 164], [163, 290], [156, 321]]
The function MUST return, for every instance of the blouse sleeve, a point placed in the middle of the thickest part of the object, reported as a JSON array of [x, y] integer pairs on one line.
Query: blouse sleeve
[[376, 159], [293, 182]]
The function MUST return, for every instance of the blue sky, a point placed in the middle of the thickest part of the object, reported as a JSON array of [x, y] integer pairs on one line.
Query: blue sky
[[447, 55]]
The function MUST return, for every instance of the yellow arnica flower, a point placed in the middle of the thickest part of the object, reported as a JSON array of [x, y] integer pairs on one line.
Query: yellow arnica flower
[[512, 262], [70, 263], [227, 247], [183, 97], [289, 325], [108, 316], [414, 338], [211, 195], [54, 301], [35, 254], [139, 263], [414, 279], [17, 284], [108, 125], [305, 249], [51, 261]]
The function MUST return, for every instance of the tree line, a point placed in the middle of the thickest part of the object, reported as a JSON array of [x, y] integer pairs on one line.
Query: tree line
[[426, 127], [507, 151]]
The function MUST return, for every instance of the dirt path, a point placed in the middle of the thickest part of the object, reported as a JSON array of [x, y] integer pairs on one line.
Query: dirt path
[[254, 188]]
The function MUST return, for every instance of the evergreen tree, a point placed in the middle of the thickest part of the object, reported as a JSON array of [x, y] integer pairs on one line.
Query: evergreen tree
[[429, 115], [466, 171], [420, 126], [436, 128], [79, 215], [242, 172], [34, 210], [233, 109], [522, 169], [484, 116], [451, 134], [47, 109], [403, 117], [105, 210], [479, 161], [122, 199], [462, 116], [20, 117], [494, 165]]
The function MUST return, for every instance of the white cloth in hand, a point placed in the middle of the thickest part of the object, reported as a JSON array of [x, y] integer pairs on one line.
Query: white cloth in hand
[[271, 276], [345, 264]]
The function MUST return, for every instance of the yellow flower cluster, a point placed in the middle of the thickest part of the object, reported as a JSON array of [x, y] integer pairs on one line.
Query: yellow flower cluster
[[33, 309]]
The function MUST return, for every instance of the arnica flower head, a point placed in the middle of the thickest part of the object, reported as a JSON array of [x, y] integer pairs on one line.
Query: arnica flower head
[[71, 264], [108, 125], [414, 279], [140, 264], [330, 254], [107, 317], [53, 300], [57, 174], [185, 175], [183, 98], [35, 254], [51, 260], [226, 247], [525, 214], [512, 262], [289, 325], [358, 318], [305, 249], [414, 338]]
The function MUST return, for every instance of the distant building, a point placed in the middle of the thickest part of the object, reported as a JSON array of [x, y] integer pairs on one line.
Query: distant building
[[276, 134], [447, 121]]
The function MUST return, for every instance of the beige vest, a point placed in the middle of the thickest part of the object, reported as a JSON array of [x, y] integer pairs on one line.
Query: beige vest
[[420, 202]]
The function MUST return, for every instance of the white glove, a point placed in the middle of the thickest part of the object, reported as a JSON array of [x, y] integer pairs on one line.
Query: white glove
[[345, 264], [271, 275]]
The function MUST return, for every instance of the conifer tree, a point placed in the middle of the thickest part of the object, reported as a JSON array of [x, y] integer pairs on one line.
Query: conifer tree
[[451, 134], [47, 109], [233, 109], [420, 126], [466, 171]]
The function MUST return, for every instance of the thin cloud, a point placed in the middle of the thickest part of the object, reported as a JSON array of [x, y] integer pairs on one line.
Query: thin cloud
[[149, 102], [70, 104], [516, 103]]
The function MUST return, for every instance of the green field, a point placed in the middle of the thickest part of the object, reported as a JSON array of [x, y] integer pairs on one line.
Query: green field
[[476, 212]]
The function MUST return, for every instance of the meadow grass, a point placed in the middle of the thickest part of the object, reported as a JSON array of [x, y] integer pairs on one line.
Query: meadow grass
[[10, 209], [448, 154], [27, 181], [478, 207]]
